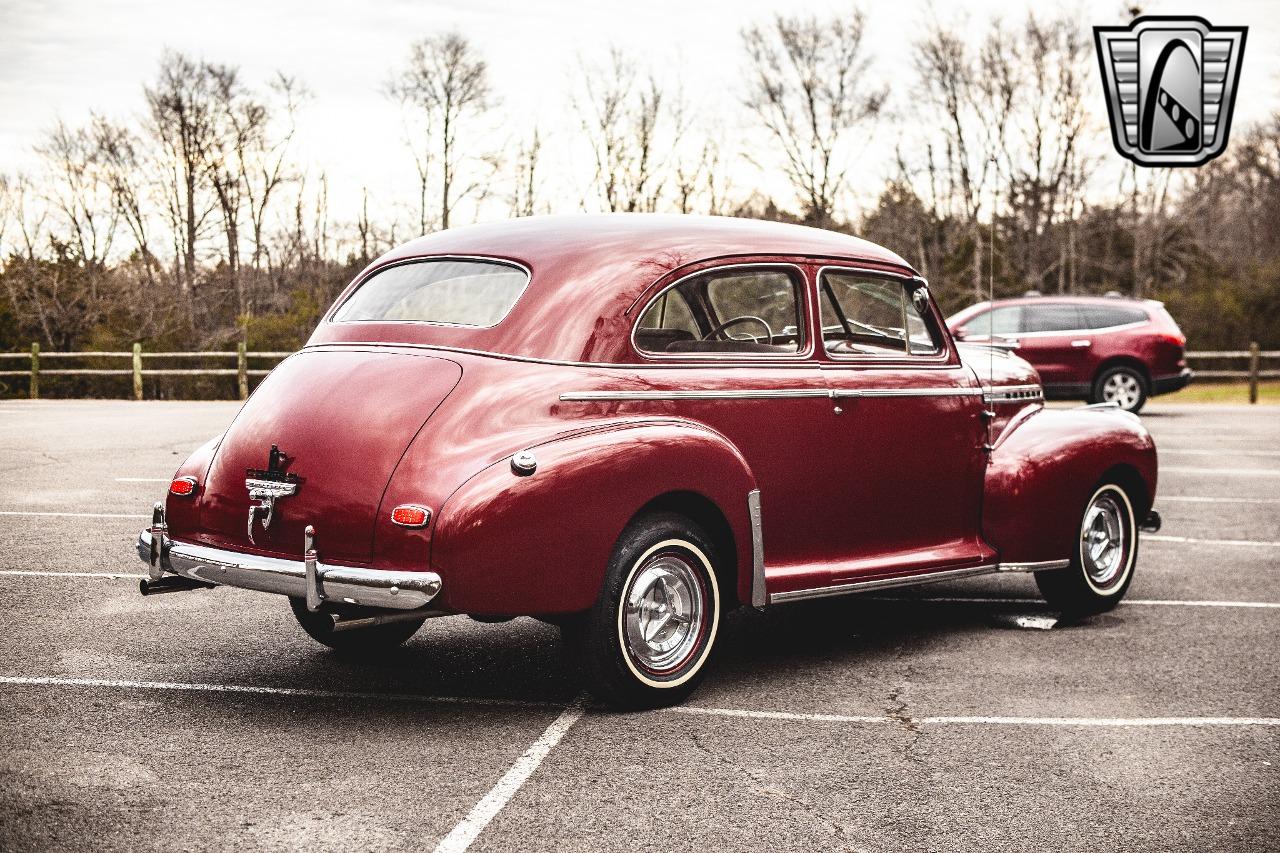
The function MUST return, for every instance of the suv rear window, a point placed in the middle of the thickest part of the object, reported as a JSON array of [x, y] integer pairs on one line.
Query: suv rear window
[[1105, 316], [450, 292]]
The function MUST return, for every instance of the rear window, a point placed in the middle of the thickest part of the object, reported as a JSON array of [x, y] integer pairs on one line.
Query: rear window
[[450, 292], [1105, 316]]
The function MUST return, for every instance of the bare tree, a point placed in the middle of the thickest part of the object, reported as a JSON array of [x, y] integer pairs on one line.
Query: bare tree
[[524, 194], [447, 82], [632, 127], [809, 86]]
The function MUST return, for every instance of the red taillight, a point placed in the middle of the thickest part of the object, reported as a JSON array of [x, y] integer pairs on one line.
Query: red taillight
[[1176, 340], [411, 515], [183, 487]]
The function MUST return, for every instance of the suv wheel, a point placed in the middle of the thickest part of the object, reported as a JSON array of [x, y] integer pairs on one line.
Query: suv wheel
[[1123, 386]]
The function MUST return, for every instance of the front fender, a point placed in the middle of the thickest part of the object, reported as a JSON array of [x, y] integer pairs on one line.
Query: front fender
[[539, 544], [1044, 469]]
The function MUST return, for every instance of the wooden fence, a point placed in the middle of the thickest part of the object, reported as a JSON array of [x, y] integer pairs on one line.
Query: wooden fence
[[36, 371], [1253, 372]]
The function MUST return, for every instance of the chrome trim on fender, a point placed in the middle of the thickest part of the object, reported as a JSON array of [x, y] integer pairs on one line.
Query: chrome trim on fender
[[759, 595], [396, 590], [906, 392], [913, 580], [1013, 393]]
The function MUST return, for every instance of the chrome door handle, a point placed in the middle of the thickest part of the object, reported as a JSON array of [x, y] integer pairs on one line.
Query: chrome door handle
[[1081, 343]]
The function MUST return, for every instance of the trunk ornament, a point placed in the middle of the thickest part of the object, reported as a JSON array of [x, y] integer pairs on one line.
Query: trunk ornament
[[268, 485]]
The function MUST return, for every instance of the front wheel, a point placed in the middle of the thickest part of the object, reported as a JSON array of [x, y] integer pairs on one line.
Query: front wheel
[[1102, 563], [645, 642], [1124, 386], [379, 638]]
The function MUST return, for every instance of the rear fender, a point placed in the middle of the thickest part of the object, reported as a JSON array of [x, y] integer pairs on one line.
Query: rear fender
[[1045, 467], [539, 544]]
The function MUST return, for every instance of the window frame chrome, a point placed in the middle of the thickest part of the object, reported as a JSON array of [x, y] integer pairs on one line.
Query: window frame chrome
[[807, 353], [420, 259]]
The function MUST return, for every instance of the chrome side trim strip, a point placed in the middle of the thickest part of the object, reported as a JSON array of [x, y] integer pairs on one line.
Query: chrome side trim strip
[[907, 392], [881, 583], [1043, 565], [764, 394], [746, 394], [913, 580], [759, 596]]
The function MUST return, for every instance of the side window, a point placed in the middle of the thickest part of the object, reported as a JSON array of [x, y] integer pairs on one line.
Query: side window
[[1106, 316], [1003, 321], [1052, 318], [874, 316], [743, 311]]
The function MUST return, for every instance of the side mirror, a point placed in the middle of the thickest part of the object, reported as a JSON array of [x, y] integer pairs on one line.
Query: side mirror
[[961, 333]]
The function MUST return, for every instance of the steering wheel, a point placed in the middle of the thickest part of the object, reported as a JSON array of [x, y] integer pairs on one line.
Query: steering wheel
[[745, 318]]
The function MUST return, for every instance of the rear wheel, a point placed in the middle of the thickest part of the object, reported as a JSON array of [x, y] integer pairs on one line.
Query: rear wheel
[[1102, 565], [647, 639], [1124, 386], [319, 626]]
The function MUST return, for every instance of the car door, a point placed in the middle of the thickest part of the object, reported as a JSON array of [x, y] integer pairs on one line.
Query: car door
[[905, 453], [732, 347], [1055, 340]]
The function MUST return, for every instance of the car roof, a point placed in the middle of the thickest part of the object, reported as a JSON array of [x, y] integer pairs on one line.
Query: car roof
[[588, 271]]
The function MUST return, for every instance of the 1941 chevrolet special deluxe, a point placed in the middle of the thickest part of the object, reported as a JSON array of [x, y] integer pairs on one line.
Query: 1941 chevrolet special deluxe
[[627, 425]]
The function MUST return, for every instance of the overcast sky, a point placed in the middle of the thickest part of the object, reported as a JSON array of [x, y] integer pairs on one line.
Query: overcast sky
[[63, 58]]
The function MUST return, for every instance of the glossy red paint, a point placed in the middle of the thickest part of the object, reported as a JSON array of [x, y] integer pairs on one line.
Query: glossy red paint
[[1070, 360], [874, 468]]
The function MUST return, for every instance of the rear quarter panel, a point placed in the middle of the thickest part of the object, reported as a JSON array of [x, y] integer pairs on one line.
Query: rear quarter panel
[[1045, 467]]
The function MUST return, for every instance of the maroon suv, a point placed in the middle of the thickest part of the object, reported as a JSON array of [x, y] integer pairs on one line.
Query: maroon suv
[[1098, 348]]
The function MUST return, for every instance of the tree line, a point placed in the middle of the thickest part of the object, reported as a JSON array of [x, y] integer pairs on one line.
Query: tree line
[[196, 224]]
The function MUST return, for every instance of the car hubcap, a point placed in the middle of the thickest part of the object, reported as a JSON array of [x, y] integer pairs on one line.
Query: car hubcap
[[1123, 389], [663, 613], [1103, 548]]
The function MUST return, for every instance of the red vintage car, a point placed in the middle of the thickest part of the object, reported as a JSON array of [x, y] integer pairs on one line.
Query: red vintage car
[[1104, 349], [627, 425]]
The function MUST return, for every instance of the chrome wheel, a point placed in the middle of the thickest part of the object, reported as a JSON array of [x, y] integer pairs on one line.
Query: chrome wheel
[[1122, 388], [1104, 540], [663, 612]]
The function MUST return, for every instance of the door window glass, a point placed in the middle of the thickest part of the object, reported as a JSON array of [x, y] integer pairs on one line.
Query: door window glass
[[874, 316], [1106, 316], [1052, 318], [746, 311]]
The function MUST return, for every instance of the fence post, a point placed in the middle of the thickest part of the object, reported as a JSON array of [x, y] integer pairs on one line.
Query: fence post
[[242, 370], [1254, 357], [35, 371], [137, 371]]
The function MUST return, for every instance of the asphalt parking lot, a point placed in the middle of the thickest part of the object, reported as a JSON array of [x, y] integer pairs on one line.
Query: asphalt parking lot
[[950, 717]]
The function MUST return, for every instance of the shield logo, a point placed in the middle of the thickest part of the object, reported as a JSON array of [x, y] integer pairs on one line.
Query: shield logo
[[1171, 85]]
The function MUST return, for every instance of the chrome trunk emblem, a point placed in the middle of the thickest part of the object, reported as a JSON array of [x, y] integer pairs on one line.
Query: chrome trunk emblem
[[267, 486]]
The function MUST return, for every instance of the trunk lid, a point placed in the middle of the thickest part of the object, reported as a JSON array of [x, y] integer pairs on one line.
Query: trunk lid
[[342, 419]]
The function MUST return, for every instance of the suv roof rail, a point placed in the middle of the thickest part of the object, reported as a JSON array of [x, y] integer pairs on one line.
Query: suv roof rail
[[1032, 293], [1114, 294]]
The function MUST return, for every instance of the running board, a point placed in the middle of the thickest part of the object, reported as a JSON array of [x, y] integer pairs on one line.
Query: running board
[[913, 580]]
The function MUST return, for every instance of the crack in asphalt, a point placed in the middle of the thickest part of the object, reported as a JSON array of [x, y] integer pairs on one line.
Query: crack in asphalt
[[896, 710], [836, 827]]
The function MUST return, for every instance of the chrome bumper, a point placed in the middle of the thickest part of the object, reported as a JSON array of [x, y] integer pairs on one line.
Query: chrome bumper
[[306, 578]]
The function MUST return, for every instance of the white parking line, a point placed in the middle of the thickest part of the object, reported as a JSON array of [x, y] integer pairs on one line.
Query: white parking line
[[1110, 722], [1227, 451], [73, 514], [1128, 602], [1243, 472], [466, 832], [1191, 540], [143, 480], [269, 691], [1186, 499]]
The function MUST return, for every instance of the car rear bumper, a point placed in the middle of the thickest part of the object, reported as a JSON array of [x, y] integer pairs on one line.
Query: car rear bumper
[[1169, 384], [305, 578]]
